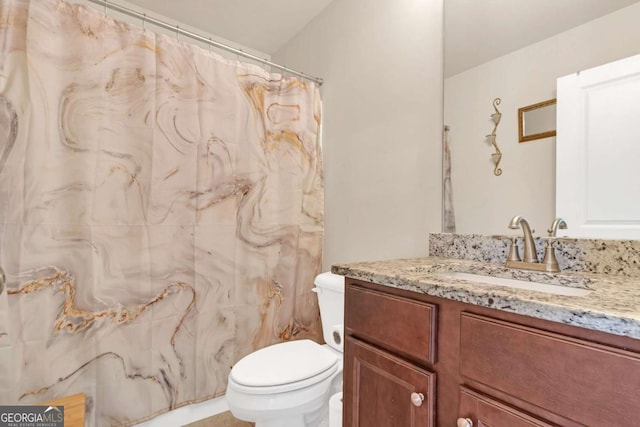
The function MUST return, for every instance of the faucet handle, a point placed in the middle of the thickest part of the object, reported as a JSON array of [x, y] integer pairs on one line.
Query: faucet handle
[[550, 261], [557, 223], [514, 255]]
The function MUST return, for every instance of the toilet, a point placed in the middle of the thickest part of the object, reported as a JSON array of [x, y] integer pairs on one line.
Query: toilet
[[289, 384]]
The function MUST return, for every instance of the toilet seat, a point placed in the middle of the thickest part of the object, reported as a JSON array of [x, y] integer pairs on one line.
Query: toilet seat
[[283, 367]]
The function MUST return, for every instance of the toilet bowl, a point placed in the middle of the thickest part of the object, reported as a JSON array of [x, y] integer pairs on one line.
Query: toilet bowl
[[289, 384], [286, 385]]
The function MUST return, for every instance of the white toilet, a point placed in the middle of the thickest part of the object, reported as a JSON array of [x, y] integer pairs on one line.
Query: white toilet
[[289, 384]]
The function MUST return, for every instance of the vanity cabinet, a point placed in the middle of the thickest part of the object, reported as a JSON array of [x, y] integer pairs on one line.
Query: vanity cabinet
[[494, 368]]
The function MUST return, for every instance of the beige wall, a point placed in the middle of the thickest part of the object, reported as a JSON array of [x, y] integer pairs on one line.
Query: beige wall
[[483, 202], [382, 65]]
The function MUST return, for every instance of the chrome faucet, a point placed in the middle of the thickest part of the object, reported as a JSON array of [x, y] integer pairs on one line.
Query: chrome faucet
[[530, 262], [530, 254], [557, 223]]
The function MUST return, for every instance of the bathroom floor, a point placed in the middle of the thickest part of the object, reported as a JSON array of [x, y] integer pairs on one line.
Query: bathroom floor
[[221, 420]]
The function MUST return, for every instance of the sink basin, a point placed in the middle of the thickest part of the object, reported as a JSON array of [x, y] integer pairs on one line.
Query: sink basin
[[514, 283]]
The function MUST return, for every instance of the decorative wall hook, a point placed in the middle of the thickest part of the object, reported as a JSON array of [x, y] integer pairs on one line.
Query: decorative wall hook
[[491, 138]]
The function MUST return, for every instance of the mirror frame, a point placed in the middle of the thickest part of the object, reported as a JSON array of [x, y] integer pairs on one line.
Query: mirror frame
[[522, 111]]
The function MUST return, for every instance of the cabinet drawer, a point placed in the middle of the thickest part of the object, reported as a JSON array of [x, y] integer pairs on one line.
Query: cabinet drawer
[[486, 412], [564, 375], [398, 324]]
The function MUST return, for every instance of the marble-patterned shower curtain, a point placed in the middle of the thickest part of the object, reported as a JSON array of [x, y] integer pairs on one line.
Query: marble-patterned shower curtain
[[160, 212]]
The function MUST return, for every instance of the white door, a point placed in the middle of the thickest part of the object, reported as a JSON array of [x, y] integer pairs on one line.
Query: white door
[[598, 151]]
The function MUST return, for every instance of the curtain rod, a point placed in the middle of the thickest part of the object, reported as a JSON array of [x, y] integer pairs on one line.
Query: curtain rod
[[145, 18]]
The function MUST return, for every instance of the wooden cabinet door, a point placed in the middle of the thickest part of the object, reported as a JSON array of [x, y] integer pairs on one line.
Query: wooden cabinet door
[[378, 389], [486, 412]]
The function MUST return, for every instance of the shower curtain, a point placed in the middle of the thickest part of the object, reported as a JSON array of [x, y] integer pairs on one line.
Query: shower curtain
[[160, 212]]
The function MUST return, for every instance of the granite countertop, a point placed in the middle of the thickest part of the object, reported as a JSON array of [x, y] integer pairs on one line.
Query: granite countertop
[[612, 305]]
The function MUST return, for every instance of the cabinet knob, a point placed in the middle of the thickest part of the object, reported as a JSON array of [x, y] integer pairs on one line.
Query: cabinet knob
[[417, 399], [464, 422]]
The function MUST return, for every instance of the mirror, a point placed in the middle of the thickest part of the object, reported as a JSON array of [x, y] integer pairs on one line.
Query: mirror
[[518, 58], [537, 121]]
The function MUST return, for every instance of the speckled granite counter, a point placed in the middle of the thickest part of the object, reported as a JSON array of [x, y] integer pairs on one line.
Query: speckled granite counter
[[613, 304], [607, 257]]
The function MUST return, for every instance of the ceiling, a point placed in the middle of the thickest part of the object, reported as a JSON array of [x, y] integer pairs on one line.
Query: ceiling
[[476, 31], [258, 24]]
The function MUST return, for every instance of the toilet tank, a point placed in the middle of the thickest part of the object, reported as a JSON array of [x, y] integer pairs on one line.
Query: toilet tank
[[330, 291]]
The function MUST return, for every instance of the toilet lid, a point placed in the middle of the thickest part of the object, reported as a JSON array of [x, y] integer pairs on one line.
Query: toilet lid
[[283, 363]]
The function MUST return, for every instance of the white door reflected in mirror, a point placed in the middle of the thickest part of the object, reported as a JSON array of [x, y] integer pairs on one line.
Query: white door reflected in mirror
[[598, 150]]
